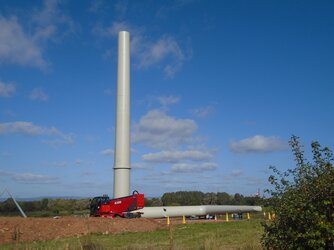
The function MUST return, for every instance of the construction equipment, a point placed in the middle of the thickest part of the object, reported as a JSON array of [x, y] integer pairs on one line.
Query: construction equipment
[[103, 206], [123, 204]]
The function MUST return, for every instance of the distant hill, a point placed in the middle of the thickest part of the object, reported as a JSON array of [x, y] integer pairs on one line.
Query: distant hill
[[38, 198]]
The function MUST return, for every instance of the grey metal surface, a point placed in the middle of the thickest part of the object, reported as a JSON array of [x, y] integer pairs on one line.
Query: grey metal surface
[[122, 138], [177, 211]]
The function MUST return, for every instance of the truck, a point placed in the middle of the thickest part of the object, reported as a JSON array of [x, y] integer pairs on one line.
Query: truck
[[103, 206]]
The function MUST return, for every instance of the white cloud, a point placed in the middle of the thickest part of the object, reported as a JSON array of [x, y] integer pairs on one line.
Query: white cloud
[[28, 128], [236, 173], [108, 151], [63, 164], [25, 47], [164, 52], [80, 162], [39, 95], [63, 139], [203, 112], [60, 164], [258, 144], [177, 156], [34, 178], [6, 89], [156, 52], [30, 178], [112, 31], [16, 47], [158, 130], [168, 100], [139, 166], [4, 173], [50, 22], [96, 5], [193, 168]]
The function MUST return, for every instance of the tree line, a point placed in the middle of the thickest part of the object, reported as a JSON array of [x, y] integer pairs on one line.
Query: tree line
[[51, 207], [45, 207], [188, 198]]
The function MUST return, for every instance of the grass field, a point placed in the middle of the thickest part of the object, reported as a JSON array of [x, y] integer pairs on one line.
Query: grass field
[[214, 235]]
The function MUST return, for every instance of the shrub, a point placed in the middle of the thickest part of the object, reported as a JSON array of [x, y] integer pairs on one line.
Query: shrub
[[303, 202]]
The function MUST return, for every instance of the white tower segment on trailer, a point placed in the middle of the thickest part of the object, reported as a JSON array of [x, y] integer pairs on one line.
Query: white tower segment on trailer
[[178, 211]]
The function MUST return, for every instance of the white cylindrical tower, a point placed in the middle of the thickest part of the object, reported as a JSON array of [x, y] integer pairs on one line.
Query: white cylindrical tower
[[122, 136]]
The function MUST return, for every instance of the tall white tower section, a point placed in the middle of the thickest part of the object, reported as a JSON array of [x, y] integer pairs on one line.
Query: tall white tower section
[[122, 138]]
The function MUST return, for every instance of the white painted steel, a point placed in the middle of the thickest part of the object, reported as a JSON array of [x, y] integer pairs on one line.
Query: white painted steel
[[178, 211], [122, 140], [17, 204]]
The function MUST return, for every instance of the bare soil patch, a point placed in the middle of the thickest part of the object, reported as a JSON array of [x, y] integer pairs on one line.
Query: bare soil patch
[[16, 229]]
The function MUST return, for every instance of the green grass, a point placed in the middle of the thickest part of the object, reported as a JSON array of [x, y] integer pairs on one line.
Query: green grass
[[232, 235]]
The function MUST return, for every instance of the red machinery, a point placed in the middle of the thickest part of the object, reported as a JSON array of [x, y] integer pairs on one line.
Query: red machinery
[[102, 206]]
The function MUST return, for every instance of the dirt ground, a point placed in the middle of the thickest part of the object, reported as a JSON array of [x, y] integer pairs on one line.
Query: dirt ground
[[32, 229]]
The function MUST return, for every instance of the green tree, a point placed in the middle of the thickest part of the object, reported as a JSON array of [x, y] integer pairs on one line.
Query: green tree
[[210, 199], [223, 198], [182, 198], [8, 206], [238, 199], [44, 204], [303, 202], [152, 202], [253, 200]]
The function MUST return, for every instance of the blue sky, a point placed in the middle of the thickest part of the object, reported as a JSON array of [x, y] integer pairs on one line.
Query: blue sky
[[217, 89]]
